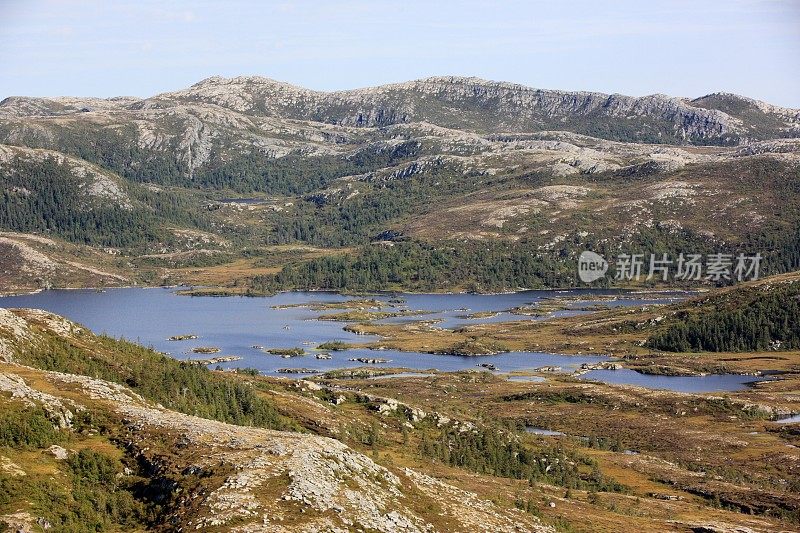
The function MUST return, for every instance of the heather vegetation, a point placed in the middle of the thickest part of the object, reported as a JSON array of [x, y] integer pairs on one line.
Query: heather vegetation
[[28, 427], [88, 492]]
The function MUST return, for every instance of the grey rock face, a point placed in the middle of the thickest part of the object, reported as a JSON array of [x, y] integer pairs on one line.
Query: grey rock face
[[453, 102]]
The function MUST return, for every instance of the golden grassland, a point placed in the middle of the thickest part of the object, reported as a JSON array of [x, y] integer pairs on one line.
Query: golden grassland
[[675, 437], [228, 275], [30, 262]]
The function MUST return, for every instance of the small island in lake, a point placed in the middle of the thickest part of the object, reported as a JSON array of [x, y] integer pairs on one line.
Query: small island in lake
[[182, 337], [206, 349]]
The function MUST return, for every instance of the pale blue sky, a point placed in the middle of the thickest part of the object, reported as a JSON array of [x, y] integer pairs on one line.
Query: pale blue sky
[[142, 47]]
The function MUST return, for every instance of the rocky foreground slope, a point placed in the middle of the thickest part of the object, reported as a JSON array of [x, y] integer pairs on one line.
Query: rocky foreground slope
[[226, 477], [275, 481]]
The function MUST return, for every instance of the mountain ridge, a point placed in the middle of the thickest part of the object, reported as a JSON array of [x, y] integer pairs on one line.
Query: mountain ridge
[[661, 117], [443, 161], [403, 84]]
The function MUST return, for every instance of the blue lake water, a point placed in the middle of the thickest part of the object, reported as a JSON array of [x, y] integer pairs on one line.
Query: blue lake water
[[543, 432], [527, 379], [239, 325], [708, 383], [789, 420]]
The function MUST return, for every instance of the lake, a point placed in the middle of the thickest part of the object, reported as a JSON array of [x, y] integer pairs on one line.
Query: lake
[[708, 383], [789, 420], [240, 325], [543, 432]]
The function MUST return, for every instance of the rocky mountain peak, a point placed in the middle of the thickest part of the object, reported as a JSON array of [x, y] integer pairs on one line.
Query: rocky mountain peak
[[469, 104], [738, 103]]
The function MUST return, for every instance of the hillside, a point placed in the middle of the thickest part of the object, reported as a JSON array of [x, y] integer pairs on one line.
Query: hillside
[[755, 317], [100, 434], [117, 460], [461, 103], [247, 165]]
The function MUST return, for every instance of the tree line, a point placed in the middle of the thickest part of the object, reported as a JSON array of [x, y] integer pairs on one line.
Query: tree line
[[180, 386], [753, 319]]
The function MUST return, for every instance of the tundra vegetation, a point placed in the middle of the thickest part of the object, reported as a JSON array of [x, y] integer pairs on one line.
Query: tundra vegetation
[[252, 186], [627, 457], [236, 185]]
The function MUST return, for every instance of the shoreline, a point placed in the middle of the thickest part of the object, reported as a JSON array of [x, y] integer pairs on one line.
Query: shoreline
[[224, 294], [96, 289], [376, 347]]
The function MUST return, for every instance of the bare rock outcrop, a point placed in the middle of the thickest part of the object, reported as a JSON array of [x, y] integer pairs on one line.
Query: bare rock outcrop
[[275, 473], [53, 405]]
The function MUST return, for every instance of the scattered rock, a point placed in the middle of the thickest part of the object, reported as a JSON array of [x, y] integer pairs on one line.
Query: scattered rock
[[58, 452]]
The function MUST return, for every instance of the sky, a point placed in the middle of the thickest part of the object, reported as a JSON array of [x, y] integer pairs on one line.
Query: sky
[[635, 47]]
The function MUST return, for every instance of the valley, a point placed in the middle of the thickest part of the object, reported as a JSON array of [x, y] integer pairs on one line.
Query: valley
[[250, 306], [442, 450]]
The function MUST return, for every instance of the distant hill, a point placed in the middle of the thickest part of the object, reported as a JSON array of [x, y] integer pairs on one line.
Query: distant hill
[[442, 160]]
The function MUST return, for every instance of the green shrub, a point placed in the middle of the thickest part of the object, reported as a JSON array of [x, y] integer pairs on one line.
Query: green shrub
[[191, 389], [27, 427]]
